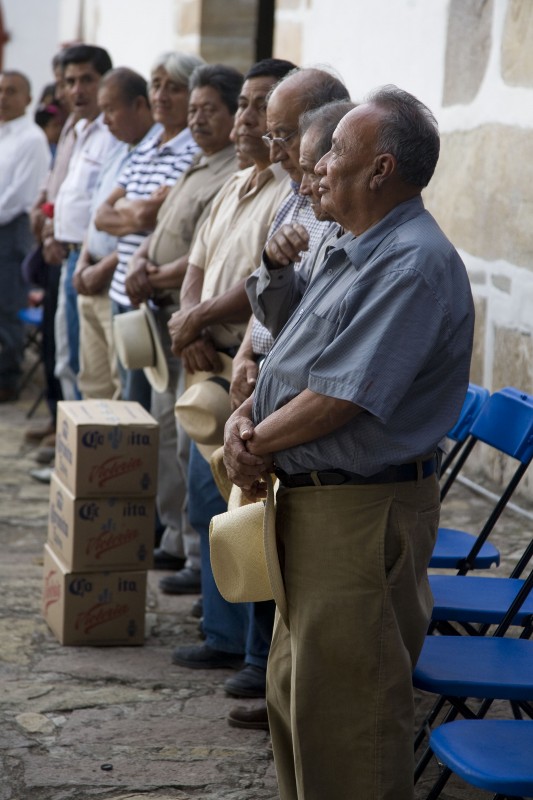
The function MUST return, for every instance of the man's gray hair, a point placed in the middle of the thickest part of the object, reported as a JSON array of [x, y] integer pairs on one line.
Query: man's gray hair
[[179, 66], [409, 132], [325, 118]]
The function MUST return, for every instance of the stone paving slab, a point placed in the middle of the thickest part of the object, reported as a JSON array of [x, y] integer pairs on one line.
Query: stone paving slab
[[66, 711]]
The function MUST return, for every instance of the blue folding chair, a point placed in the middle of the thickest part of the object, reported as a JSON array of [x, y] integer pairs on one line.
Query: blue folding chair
[[496, 755], [32, 318], [505, 423], [476, 397], [457, 668]]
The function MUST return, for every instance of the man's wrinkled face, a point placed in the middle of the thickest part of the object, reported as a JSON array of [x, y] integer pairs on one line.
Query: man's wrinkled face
[[309, 155], [250, 119], [283, 112], [82, 82], [346, 169], [119, 116], [14, 97], [210, 120], [169, 100]]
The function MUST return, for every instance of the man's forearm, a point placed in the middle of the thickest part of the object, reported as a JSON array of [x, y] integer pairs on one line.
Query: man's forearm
[[306, 417], [232, 306], [113, 221]]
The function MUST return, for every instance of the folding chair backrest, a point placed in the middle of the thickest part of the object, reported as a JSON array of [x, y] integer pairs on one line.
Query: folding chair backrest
[[476, 397], [506, 423]]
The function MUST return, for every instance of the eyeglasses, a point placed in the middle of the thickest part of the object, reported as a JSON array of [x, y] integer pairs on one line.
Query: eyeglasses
[[281, 141]]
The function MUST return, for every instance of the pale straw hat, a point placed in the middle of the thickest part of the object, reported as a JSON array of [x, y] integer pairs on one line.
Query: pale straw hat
[[138, 345], [244, 554], [204, 407]]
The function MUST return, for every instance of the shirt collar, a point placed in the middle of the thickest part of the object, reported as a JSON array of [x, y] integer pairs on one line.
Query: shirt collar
[[176, 144], [16, 124], [215, 161], [359, 248]]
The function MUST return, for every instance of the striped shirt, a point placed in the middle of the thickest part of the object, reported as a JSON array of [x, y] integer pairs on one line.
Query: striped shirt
[[151, 166]]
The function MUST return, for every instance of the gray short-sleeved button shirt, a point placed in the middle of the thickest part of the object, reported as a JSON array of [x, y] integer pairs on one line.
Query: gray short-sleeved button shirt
[[387, 323]]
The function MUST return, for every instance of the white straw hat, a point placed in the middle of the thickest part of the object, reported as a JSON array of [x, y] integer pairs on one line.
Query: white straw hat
[[138, 345], [244, 554]]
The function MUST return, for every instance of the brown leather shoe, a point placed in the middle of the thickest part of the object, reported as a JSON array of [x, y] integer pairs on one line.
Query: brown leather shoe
[[8, 395], [39, 431], [246, 717]]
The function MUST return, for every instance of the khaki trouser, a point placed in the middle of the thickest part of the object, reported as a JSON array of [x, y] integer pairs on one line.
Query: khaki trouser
[[98, 377], [339, 689], [179, 537]]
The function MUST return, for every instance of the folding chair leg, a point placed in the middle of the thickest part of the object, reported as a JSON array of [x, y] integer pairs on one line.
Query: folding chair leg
[[439, 784], [429, 719]]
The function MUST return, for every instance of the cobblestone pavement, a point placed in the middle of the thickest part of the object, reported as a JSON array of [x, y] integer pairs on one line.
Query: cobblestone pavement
[[65, 712]]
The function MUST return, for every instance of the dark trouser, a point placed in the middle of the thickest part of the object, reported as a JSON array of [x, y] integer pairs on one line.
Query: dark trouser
[[53, 387], [15, 243]]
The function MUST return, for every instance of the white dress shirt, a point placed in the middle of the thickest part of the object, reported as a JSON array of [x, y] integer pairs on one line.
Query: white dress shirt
[[72, 210], [24, 162]]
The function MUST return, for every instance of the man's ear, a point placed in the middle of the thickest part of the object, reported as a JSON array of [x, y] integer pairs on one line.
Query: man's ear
[[384, 167]]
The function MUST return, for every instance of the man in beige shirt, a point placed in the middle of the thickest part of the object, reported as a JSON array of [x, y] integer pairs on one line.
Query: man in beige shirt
[[212, 319], [156, 273]]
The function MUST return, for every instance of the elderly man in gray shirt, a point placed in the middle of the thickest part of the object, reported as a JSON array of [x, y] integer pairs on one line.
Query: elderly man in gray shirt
[[360, 386]]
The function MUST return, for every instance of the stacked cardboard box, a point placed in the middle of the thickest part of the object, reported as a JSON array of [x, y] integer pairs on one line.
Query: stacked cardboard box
[[101, 522]]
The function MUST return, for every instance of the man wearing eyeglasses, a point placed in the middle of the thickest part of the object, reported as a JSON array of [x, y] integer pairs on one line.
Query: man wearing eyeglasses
[[300, 91]]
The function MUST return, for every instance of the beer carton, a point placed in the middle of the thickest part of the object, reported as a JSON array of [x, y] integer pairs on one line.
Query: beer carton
[[106, 447], [93, 608], [100, 533]]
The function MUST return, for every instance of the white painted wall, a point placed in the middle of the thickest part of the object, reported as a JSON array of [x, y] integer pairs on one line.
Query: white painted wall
[[134, 32], [33, 26], [373, 42]]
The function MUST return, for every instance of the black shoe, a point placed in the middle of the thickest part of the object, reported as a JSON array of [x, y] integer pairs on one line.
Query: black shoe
[[204, 657], [244, 717], [186, 581], [197, 610], [250, 681], [164, 560]]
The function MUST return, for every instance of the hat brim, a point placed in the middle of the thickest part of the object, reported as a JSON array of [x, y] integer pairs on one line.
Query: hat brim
[[158, 375], [244, 553], [204, 407]]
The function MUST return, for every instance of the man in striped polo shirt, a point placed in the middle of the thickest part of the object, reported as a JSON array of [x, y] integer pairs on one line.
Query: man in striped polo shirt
[[130, 211]]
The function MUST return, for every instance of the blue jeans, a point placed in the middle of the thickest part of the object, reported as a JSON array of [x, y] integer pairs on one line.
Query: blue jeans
[[73, 321], [260, 624], [225, 624]]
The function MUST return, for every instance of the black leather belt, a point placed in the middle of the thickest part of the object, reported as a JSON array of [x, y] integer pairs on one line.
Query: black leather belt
[[71, 246], [338, 477]]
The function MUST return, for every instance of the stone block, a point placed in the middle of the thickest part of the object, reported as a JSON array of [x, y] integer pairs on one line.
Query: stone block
[[189, 14], [517, 44], [502, 282], [468, 43], [480, 198], [513, 359], [230, 19], [288, 41], [477, 367], [235, 52]]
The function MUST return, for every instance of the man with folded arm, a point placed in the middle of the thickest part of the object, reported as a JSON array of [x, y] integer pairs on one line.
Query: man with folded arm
[[360, 386]]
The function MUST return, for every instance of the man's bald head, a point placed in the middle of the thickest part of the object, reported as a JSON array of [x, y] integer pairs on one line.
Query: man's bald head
[[298, 92], [15, 95]]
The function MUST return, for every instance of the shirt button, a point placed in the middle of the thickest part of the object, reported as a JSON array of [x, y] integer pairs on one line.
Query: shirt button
[[330, 271]]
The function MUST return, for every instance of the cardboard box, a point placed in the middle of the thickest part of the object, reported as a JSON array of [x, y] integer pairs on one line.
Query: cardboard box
[[100, 533], [93, 608], [106, 447]]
